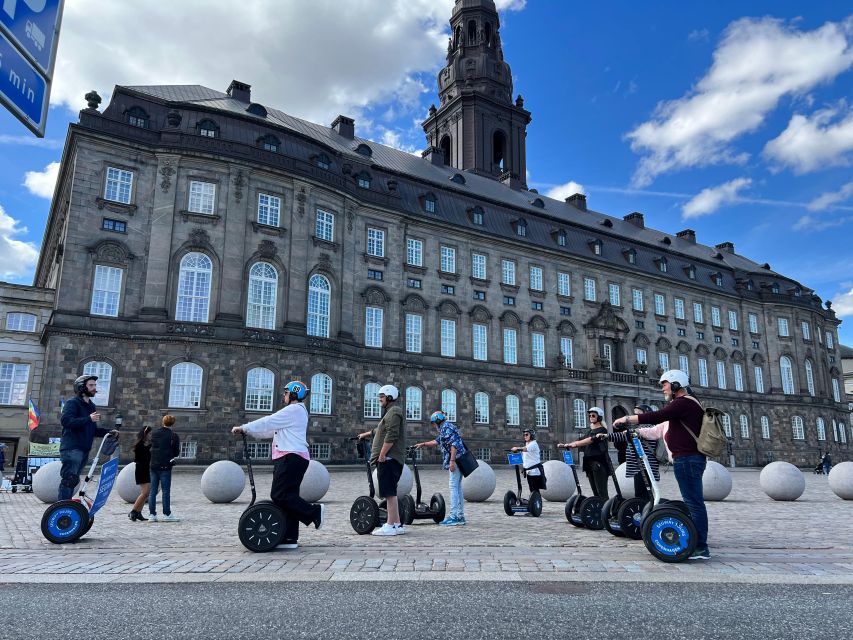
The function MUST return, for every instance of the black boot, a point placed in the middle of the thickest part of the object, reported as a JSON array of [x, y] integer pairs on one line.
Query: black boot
[[132, 515], [140, 517]]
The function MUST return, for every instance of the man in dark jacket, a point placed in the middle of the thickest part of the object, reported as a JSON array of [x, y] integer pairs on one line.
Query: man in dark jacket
[[165, 448], [79, 421]]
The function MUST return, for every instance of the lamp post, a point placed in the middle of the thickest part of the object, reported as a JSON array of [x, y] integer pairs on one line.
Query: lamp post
[[118, 421]]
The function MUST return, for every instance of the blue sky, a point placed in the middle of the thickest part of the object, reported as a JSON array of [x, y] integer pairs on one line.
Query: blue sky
[[733, 118]]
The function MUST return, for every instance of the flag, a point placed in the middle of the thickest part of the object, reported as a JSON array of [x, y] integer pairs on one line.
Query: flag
[[34, 416]]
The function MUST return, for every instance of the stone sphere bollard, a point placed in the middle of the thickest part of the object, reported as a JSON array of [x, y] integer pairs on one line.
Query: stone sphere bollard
[[782, 481], [404, 486], [126, 484], [841, 480], [223, 481], [480, 485], [46, 482], [626, 484], [315, 484], [716, 482], [561, 484]]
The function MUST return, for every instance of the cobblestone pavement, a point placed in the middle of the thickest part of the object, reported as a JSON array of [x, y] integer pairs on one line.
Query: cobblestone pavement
[[753, 540]]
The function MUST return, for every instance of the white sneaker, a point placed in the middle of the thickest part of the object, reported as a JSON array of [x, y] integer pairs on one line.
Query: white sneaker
[[292, 544], [385, 530], [399, 530], [153, 517], [170, 518]]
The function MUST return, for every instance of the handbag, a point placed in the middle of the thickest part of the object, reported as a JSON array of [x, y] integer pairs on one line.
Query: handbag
[[466, 463]]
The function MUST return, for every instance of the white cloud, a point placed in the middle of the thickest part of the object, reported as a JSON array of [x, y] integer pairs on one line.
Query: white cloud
[[810, 223], [830, 198], [16, 257], [42, 183], [757, 62], [510, 5], [842, 304], [699, 35], [563, 191], [709, 200], [812, 143]]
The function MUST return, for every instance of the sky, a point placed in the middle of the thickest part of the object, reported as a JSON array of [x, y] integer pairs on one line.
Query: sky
[[731, 118]]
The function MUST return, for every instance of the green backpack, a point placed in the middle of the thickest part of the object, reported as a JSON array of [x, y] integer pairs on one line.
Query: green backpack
[[712, 440]]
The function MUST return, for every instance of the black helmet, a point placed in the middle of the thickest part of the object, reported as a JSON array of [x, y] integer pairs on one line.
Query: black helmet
[[644, 408], [80, 383], [531, 431]]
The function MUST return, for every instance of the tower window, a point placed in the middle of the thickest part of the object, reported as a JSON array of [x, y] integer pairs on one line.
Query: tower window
[[499, 150], [444, 146], [472, 32]]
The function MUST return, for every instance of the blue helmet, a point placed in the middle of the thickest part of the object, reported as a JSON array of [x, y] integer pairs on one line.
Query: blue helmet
[[297, 388], [438, 416]]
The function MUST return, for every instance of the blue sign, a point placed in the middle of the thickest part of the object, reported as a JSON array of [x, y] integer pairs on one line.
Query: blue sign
[[108, 478], [567, 458], [34, 26], [515, 458], [22, 89]]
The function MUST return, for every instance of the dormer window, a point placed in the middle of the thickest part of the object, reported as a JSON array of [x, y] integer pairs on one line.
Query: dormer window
[[324, 162], [562, 238], [630, 256], [364, 150], [774, 287], [477, 215], [718, 279], [690, 270], [137, 117], [797, 292], [666, 240], [607, 223], [538, 203], [521, 228], [663, 265], [458, 178], [269, 143], [363, 180], [257, 110], [597, 247], [208, 129], [429, 203], [750, 285]]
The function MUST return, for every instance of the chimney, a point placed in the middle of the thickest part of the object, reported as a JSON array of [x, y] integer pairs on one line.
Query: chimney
[[577, 200], [433, 155], [344, 126], [240, 91], [727, 247], [636, 218], [511, 180], [687, 234]]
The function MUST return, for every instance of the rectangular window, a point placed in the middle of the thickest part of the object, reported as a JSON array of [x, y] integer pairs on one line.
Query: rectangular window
[[567, 352], [414, 252], [716, 320], [700, 335], [479, 295], [663, 361], [20, 322], [589, 289], [325, 229], [735, 342], [509, 300], [564, 285], [188, 450], [479, 336], [375, 242], [607, 352], [448, 338], [698, 314], [661, 328], [510, 346], [269, 209], [106, 291], [681, 332], [703, 372], [765, 427], [448, 259], [373, 274], [836, 390], [721, 374], [718, 339], [320, 451], [660, 305], [113, 225], [373, 327], [257, 450], [755, 344], [615, 294], [565, 311], [733, 320], [414, 333], [478, 266], [639, 324], [684, 363], [413, 283], [807, 334], [830, 341], [642, 356], [637, 299], [202, 196], [753, 323], [119, 185], [448, 289], [538, 349], [508, 272], [679, 309], [14, 379], [783, 328], [536, 306], [738, 371], [536, 278], [759, 380]]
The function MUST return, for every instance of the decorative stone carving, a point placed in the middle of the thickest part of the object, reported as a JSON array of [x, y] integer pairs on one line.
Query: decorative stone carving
[[199, 237], [93, 100], [166, 171], [607, 320], [301, 199], [239, 183], [351, 211], [267, 249], [566, 328], [190, 330], [414, 302], [374, 296], [173, 118], [538, 323], [449, 308], [480, 314], [111, 251]]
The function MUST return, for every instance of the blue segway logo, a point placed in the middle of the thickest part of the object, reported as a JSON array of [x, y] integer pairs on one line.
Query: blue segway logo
[[64, 523], [670, 536]]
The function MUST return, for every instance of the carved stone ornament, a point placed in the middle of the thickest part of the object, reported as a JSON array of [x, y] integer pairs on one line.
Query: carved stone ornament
[[414, 302], [267, 249], [93, 100], [607, 320], [374, 296], [173, 118], [239, 183], [166, 171], [351, 210], [480, 314], [199, 237], [111, 251], [301, 198]]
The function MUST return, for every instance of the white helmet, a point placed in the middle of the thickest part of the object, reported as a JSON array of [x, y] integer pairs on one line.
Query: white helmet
[[676, 378], [390, 391], [597, 410]]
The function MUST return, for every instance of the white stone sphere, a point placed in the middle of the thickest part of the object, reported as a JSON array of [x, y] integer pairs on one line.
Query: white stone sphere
[[480, 485], [841, 480], [561, 484], [126, 484], [404, 485], [782, 481], [626, 484], [223, 481], [46, 482], [716, 482], [315, 483]]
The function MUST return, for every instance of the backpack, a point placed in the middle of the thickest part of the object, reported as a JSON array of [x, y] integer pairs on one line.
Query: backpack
[[712, 440]]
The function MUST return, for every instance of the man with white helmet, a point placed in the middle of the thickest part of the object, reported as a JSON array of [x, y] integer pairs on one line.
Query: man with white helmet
[[595, 454], [388, 454], [683, 415]]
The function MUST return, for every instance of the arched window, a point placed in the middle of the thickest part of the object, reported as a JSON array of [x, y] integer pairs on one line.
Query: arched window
[[472, 32], [821, 429], [193, 301], [137, 117], [541, 405], [319, 292], [321, 394], [481, 408], [787, 371], [372, 408], [765, 427], [414, 403], [499, 150], [323, 161], [727, 425], [797, 428], [810, 377], [263, 289], [579, 412], [104, 371], [363, 180], [744, 426], [448, 404], [513, 415], [185, 386], [208, 129], [259, 389], [444, 146]]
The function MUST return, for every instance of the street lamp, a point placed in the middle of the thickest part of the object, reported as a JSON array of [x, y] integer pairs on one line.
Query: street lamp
[[118, 421]]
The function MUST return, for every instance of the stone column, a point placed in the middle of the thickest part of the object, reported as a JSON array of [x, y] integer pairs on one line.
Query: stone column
[[231, 284], [156, 294]]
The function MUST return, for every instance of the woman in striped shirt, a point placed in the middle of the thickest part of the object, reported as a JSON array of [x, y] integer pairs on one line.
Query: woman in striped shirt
[[632, 463]]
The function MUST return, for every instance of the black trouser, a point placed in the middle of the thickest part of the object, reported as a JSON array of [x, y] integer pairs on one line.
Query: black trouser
[[596, 472], [534, 483], [640, 490], [287, 476], [621, 448]]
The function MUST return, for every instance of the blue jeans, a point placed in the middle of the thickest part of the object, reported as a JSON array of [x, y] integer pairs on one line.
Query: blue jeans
[[688, 474], [73, 461], [457, 500], [163, 479]]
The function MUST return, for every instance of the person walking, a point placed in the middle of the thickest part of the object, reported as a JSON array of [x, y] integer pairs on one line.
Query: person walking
[[451, 447], [142, 472], [531, 460], [165, 448], [288, 428], [2, 459], [595, 454], [826, 461]]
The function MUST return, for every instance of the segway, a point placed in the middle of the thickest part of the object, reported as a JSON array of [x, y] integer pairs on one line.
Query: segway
[[69, 520], [262, 525], [366, 514], [418, 510], [582, 511], [517, 503], [610, 509]]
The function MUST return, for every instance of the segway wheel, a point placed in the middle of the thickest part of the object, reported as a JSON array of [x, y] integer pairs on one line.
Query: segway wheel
[[364, 515], [630, 517], [509, 502], [571, 503], [64, 521], [608, 516], [407, 510], [590, 512], [88, 525], [669, 535], [437, 507], [534, 504], [261, 527]]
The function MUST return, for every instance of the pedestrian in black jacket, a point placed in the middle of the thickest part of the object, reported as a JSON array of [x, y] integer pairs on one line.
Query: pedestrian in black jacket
[[165, 448]]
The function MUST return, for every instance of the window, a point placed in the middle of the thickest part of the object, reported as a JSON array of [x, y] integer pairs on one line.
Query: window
[[810, 377], [448, 338], [324, 162], [513, 415], [259, 389], [614, 294], [715, 317], [759, 379], [830, 341], [661, 328], [679, 309], [261, 302], [185, 386], [136, 117], [207, 129], [521, 228], [660, 305], [448, 289], [700, 335], [567, 352], [189, 450], [632, 256], [14, 379], [119, 185], [319, 293], [510, 346], [538, 349], [727, 425], [681, 332], [565, 311], [194, 288], [478, 266], [363, 181], [373, 327], [821, 429], [783, 327], [718, 339], [508, 272], [691, 272], [20, 322], [479, 295], [744, 426], [325, 226], [735, 342], [733, 320], [483, 453], [414, 252], [642, 356], [104, 371], [270, 143], [807, 334], [755, 344], [663, 361], [479, 337], [375, 242], [372, 408], [564, 286], [721, 374], [259, 450], [597, 247], [106, 291], [541, 406], [202, 195], [698, 315], [637, 299], [684, 363], [448, 404], [481, 408], [536, 306], [477, 216], [509, 300], [448, 259], [765, 427], [738, 371], [536, 278], [836, 391], [797, 428], [703, 372], [116, 226], [373, 274], [414, 403], [579, 411], [561, 238], [414, 283], [429, 204], [753, 323], [787, 372], [321, 394], [269, 209], [663, 265], [414, 333], [589, 289], [718, 279]]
